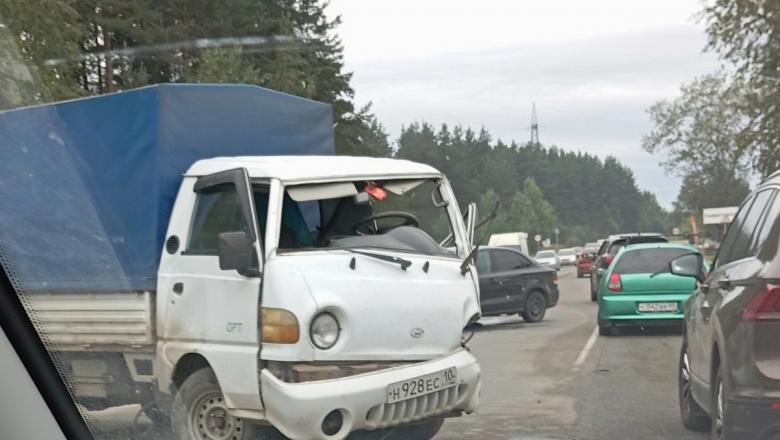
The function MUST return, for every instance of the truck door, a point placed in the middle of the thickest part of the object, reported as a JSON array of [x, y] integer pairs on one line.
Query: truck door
[[214, 312]]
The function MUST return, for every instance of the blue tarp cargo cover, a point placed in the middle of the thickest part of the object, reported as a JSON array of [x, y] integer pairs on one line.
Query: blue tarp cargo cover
[[87, 186]]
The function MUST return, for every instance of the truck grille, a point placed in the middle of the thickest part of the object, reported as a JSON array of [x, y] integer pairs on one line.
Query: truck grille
[[405, 411]]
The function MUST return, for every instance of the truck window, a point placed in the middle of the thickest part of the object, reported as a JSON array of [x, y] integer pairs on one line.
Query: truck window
[[217, 210]]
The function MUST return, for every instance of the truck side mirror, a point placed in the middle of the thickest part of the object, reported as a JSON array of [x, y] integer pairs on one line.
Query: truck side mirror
[[236, 252], [688, 265]]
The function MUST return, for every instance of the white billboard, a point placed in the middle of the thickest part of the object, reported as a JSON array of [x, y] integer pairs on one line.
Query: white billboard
[[717, 216]]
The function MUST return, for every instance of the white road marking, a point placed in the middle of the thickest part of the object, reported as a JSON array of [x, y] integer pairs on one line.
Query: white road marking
[[586, 349]]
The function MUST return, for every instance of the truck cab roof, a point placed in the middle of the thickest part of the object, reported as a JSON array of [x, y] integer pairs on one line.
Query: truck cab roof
[[301, 169]]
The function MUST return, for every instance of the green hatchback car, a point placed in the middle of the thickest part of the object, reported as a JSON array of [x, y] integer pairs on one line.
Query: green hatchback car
[[638, 290]]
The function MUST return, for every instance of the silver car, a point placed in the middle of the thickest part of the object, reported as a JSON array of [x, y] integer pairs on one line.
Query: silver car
[[567, 257], [549, 258]]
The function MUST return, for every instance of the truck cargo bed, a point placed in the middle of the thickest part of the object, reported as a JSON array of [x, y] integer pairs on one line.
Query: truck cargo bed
[[94, 321]]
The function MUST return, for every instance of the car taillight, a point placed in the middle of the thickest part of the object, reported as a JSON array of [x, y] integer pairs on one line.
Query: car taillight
[[765, 306], [555, 277], [614, 284], [606, 260]]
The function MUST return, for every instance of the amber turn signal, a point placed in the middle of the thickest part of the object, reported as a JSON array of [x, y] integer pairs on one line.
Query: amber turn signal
[[279, 326]]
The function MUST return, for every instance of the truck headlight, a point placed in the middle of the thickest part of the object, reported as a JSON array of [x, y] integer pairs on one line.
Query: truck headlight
[[324, 330]]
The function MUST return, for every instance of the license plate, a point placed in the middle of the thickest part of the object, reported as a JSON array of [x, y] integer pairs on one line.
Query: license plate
[[421, 385], [658, 307]]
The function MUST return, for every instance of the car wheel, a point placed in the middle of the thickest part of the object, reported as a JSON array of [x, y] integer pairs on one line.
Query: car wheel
[[693, 417], [535, 307], [199, 413], [719, 407]]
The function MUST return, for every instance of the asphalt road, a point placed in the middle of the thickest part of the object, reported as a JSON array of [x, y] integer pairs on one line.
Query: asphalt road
[[553, 380], [559, 380]]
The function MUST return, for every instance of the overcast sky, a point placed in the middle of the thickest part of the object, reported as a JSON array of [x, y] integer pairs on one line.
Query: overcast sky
[[592, 67]]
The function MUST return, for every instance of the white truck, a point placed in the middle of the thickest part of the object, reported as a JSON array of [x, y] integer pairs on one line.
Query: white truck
[[313, 295], [516, 240]]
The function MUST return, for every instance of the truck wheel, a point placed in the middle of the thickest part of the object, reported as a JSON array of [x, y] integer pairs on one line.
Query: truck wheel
[[199, 413], [535, 307], [424, 430], [693, 417]]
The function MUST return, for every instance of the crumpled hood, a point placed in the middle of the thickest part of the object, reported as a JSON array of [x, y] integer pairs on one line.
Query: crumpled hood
[[385, 313]]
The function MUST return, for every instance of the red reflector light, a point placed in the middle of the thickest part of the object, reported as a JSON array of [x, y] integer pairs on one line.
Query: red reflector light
[[615, 284], [376, 192], [765, 306]]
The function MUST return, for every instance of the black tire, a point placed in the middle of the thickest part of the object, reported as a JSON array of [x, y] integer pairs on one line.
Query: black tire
[[692, 415], [535, 307], [199, 413], [719, 407], [424, 430]]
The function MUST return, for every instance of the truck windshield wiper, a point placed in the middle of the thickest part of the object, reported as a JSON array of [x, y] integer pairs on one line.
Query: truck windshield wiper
[[404, 263]]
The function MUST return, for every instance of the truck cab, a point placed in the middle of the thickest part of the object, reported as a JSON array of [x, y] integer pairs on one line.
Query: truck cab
[[318, 294]]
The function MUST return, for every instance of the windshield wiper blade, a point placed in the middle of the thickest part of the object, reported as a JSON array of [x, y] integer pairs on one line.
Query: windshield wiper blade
[[404, 263]]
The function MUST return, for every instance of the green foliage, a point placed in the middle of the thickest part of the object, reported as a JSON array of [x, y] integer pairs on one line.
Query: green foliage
[[45, 34], [703, 129], [223, 65], [84, 47], [747, 34], [361, 134], [706, 136]]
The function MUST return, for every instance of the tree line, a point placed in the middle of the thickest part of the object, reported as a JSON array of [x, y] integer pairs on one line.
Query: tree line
[[75, 48], [539, 188]]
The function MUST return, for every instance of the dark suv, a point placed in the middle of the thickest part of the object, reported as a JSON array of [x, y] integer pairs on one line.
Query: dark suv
[[729, 370], [609, 248]]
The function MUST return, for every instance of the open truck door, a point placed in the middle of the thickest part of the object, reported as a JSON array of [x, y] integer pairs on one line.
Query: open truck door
[[215, 283]]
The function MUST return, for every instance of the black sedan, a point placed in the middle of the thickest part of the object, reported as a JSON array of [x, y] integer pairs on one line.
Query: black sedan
[[510, 282]]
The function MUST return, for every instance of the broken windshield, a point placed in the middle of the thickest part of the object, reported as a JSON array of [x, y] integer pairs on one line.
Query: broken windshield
[[407, 215]]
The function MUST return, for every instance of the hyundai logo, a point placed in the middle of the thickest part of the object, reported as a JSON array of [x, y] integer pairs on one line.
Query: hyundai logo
[[417, 333]]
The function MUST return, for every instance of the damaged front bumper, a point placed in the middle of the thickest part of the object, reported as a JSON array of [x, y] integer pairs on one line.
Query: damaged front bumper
[[298, 410]]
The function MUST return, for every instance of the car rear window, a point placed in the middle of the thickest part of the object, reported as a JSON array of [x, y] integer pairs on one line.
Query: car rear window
[[619, 244], [648, 260]]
